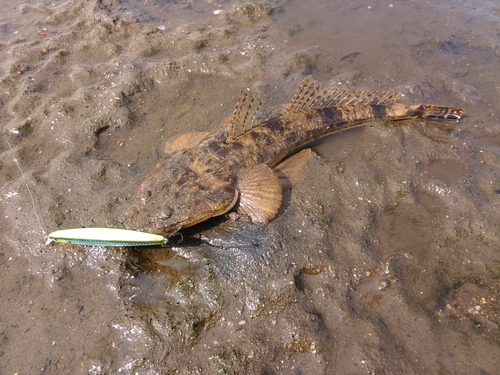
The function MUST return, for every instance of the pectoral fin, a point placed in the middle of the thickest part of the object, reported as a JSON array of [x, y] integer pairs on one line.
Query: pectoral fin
[[260, 193], [183, 142], [292, 169]]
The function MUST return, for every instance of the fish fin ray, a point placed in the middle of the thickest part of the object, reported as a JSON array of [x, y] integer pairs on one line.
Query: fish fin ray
[[291, 170], [260, 193], [311, 96], [183, 142], [250, 112]]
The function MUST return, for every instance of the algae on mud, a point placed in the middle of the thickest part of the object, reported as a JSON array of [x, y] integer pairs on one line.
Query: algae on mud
[[383, 260]]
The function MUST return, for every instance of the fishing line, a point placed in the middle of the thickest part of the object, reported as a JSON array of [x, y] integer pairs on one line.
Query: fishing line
[[29, 192], [92, 236]]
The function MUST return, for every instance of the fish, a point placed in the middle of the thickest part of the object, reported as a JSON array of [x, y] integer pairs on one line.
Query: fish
[[245, 164]]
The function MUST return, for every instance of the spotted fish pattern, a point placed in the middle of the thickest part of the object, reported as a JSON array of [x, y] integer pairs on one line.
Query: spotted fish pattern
[[244, 164]]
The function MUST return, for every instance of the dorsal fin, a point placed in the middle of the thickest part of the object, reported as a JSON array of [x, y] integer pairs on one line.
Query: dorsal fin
[[183, 142], [310, 96], [249, 112]]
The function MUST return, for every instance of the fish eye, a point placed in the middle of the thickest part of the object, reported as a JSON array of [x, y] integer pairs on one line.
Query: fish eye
[[145, 196], [165, 214]]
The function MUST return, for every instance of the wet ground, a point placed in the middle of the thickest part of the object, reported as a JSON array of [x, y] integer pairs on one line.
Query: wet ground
[[383, 260]]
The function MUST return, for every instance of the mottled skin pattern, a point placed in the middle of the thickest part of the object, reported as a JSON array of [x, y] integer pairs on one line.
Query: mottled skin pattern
[[192, 185]]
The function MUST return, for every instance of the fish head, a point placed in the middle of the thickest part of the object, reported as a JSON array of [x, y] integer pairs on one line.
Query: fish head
[[181, 191]]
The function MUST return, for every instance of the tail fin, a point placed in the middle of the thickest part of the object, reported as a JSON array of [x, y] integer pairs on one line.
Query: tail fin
[[436, 111]]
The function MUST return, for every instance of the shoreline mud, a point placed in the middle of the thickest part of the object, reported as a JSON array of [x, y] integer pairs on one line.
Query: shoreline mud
[[384, 259]]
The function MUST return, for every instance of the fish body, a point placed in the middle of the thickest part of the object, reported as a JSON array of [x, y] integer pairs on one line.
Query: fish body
[[243, 164]]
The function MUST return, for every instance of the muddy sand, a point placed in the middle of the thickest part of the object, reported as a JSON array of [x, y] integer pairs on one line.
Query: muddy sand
[[384, 259]]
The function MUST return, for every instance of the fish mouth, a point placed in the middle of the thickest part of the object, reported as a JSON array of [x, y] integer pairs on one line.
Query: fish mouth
[[137, 220], [167, 221], [161, 223]]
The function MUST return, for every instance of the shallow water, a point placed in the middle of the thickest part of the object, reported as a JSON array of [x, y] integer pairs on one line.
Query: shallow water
[[384, 259]]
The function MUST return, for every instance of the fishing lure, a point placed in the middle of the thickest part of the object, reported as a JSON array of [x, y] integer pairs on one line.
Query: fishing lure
[[106, 237]]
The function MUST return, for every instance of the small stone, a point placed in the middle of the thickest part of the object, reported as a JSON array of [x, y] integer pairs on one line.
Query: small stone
[[384, 284]]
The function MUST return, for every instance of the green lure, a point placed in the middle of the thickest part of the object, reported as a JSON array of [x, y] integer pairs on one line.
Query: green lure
[[106, 237]]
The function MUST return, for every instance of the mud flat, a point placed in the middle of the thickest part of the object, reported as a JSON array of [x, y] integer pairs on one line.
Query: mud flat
[[384, 259]]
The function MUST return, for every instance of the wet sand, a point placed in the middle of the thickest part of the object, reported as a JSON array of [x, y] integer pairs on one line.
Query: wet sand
[[384, 258]]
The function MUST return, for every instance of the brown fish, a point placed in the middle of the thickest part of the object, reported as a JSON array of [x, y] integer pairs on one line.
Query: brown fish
[[242, 165]]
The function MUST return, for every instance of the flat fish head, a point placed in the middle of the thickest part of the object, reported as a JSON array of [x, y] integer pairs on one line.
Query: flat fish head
[[178, 193]]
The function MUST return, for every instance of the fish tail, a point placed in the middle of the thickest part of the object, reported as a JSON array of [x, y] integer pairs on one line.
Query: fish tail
[[436, 111]]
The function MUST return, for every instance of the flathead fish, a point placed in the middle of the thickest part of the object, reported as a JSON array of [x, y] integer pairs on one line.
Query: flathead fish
[[244, 164]]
